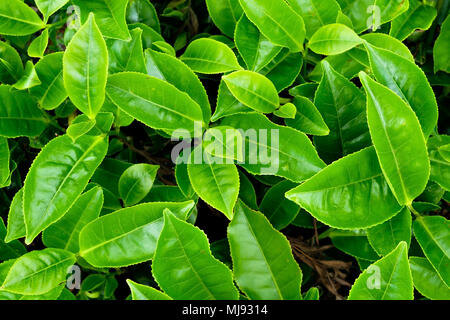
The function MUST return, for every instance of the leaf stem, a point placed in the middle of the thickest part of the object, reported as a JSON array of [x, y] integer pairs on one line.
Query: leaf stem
[[414, 211]]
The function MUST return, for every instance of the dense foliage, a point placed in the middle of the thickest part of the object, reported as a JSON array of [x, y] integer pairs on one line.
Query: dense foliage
[[240, 149]]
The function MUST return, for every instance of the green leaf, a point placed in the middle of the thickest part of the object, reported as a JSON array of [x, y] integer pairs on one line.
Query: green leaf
[[343, 107], [385, 237], [216, 182], [80, 126], [312, 294], [38, 46], [57, 177], [227, 104], [172, 70], [279, 211], [343, 63], [29, 79], [315, 13], [38, 272], [136, 182], [440, 167], [263, 264], [154, 102], [11, 67], [4, 160], [225, 14], [441, 48], [427, 281], [286, 111], [49, 7], [383, 41], [253, 90], [19, 114], [408, 81], [109, 14], [86, 68], [307, 118], [418, 16], [256, 50], [354, 243], [433, 235], [387, 279], [13, 249], [141, 292], [334, 39], [51, 93], [104, 244], [184, 267], [16, 223], [396, 135], [126, 55], [210, 56], [224, 142], [143, 11], [65, 233], [370, 14], [18, 19], [275, 19], [330, 195], [273, 151], [283, 69]]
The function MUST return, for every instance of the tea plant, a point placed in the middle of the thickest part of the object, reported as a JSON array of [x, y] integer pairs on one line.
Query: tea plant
[[241, 149]]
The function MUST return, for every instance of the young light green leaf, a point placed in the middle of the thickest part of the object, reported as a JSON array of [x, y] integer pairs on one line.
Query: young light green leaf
[[18, 19], [16, 223], [172, 70], [65, 233], [263, 264], [334, 39], [154, 102], [312, 294], [57, 177], [396, 135], [49, 7], [329, 195], [444, 151], [408, 81], [385, 237], [276, 150], [275, 19], [227, 104], [141, 292], [85, 68], [29, 78], [277, 208], [343, 107], [441, 48], [38, 272], [19, 114], [427, 281], [80, 126], [256, 50], [51, 92], [315, 13], [253, 90], [103, 244], [387, 279], [433, 235], [225, 14], [38, 46], [418, 16], [307, 118], [286, 111], [136, 182], [109, 14], [210, 56], [215, 181], [184, 267]]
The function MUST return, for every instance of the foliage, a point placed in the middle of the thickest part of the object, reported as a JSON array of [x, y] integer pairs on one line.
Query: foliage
[[240, 149]]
